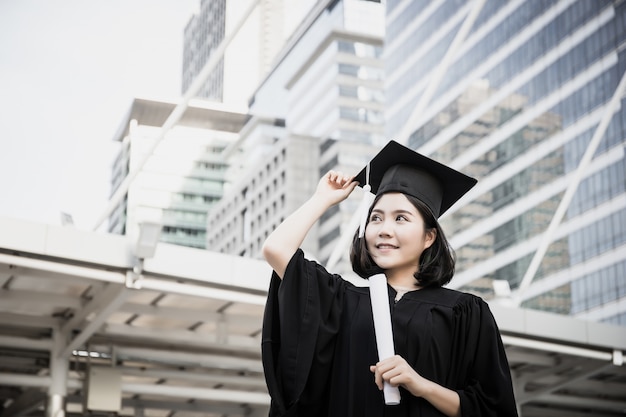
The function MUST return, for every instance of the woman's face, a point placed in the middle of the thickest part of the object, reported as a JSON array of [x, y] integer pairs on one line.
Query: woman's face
[[395, 235]]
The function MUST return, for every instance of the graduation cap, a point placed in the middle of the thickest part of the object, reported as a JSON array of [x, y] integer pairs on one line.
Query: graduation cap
[[401, 169]]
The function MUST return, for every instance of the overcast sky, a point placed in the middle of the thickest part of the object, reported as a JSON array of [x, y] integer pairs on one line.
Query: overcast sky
[[69, 70]]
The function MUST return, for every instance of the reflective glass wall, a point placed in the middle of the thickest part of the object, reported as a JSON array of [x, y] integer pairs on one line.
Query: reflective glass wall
[[515, 101]]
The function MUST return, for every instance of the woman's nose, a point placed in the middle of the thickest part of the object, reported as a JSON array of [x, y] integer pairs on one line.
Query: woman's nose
[[385, 228]]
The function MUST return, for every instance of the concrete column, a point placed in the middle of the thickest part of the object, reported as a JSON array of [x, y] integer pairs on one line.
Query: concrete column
[[59, 367]]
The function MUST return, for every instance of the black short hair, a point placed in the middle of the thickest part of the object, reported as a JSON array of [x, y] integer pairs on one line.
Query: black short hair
[[436, 264]]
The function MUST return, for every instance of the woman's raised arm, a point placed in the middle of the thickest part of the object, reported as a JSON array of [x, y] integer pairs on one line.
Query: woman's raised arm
[[283, 242]]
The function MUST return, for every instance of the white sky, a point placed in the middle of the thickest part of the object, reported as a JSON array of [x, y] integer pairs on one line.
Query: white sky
[[69, 70]]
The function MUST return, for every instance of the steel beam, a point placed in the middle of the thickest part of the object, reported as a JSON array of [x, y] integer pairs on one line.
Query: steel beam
[[250, 381], [209, 341], [112, 299], [178, 358], [24, 320], [222, 395], [183, 406], [26, 343], [63, 269], [181, 313], [101, 301]]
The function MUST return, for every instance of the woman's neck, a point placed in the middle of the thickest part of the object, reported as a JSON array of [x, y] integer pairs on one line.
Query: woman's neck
[[403, 281]]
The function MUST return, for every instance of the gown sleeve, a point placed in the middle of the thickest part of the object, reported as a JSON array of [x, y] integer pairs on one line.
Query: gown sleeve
[[483, 368], [300, 323]]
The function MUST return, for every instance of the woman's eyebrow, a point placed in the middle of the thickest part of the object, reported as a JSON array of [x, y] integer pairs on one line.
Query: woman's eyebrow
[[398, 211]]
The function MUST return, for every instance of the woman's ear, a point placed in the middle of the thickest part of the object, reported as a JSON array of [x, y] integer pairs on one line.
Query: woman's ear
[[429, 237]]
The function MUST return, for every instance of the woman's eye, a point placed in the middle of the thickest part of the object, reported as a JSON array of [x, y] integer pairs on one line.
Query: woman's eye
[[400, 218], [375, 217]]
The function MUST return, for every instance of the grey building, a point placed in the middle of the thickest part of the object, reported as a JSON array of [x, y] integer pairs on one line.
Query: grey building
[[517, 100], [263, 195], [203, 34], [253, 40]]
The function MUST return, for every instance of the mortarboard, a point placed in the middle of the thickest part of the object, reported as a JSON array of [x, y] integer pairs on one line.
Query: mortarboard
[[401, 169]]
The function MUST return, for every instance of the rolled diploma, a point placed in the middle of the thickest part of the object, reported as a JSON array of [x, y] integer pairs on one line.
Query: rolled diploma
[[379, 297]]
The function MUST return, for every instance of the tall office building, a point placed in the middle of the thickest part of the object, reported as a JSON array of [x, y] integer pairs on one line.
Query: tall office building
[[513, 93], [327, 86], [251, 51], [328, 80], [182, 177], [203, 34]]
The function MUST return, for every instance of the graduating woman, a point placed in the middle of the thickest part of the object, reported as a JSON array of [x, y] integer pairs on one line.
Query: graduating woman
[[319, 343]]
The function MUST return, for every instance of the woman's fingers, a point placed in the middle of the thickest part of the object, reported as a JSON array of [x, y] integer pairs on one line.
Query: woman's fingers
[[339, 177], [394, 370], [378, 380]]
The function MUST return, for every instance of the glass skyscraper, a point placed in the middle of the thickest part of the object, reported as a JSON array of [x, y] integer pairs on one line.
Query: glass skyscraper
[[514, 93]]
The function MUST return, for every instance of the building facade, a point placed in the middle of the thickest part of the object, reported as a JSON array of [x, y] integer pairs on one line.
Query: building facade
[[328, 85], [513, 93], [328, 80], [267, 191], [252, 46], [202, 36], [182, 177]]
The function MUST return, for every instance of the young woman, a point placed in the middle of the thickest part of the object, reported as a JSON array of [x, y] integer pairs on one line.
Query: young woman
[[319, 345]]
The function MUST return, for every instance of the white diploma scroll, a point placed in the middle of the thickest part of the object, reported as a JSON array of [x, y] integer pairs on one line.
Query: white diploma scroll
[[379, 297]]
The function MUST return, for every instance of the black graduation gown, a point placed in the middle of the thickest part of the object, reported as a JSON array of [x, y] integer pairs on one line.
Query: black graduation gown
[[318, 342]]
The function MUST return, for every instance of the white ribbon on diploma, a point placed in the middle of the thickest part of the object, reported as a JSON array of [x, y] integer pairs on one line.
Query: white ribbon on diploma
[[379, 297]]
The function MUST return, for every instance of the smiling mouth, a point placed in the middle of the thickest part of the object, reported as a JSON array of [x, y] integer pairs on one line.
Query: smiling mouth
[[385, 246]]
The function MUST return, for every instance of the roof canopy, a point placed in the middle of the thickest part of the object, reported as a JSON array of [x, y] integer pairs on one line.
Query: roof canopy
[[181, 332]]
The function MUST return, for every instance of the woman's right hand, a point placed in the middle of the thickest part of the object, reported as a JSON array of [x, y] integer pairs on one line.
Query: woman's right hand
[[397, 372], [334, 187]]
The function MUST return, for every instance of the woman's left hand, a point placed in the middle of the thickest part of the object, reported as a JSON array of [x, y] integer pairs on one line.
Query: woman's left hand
[[396, 371]]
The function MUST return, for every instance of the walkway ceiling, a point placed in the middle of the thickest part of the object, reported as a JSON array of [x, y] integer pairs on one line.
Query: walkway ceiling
[[183, 334]]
